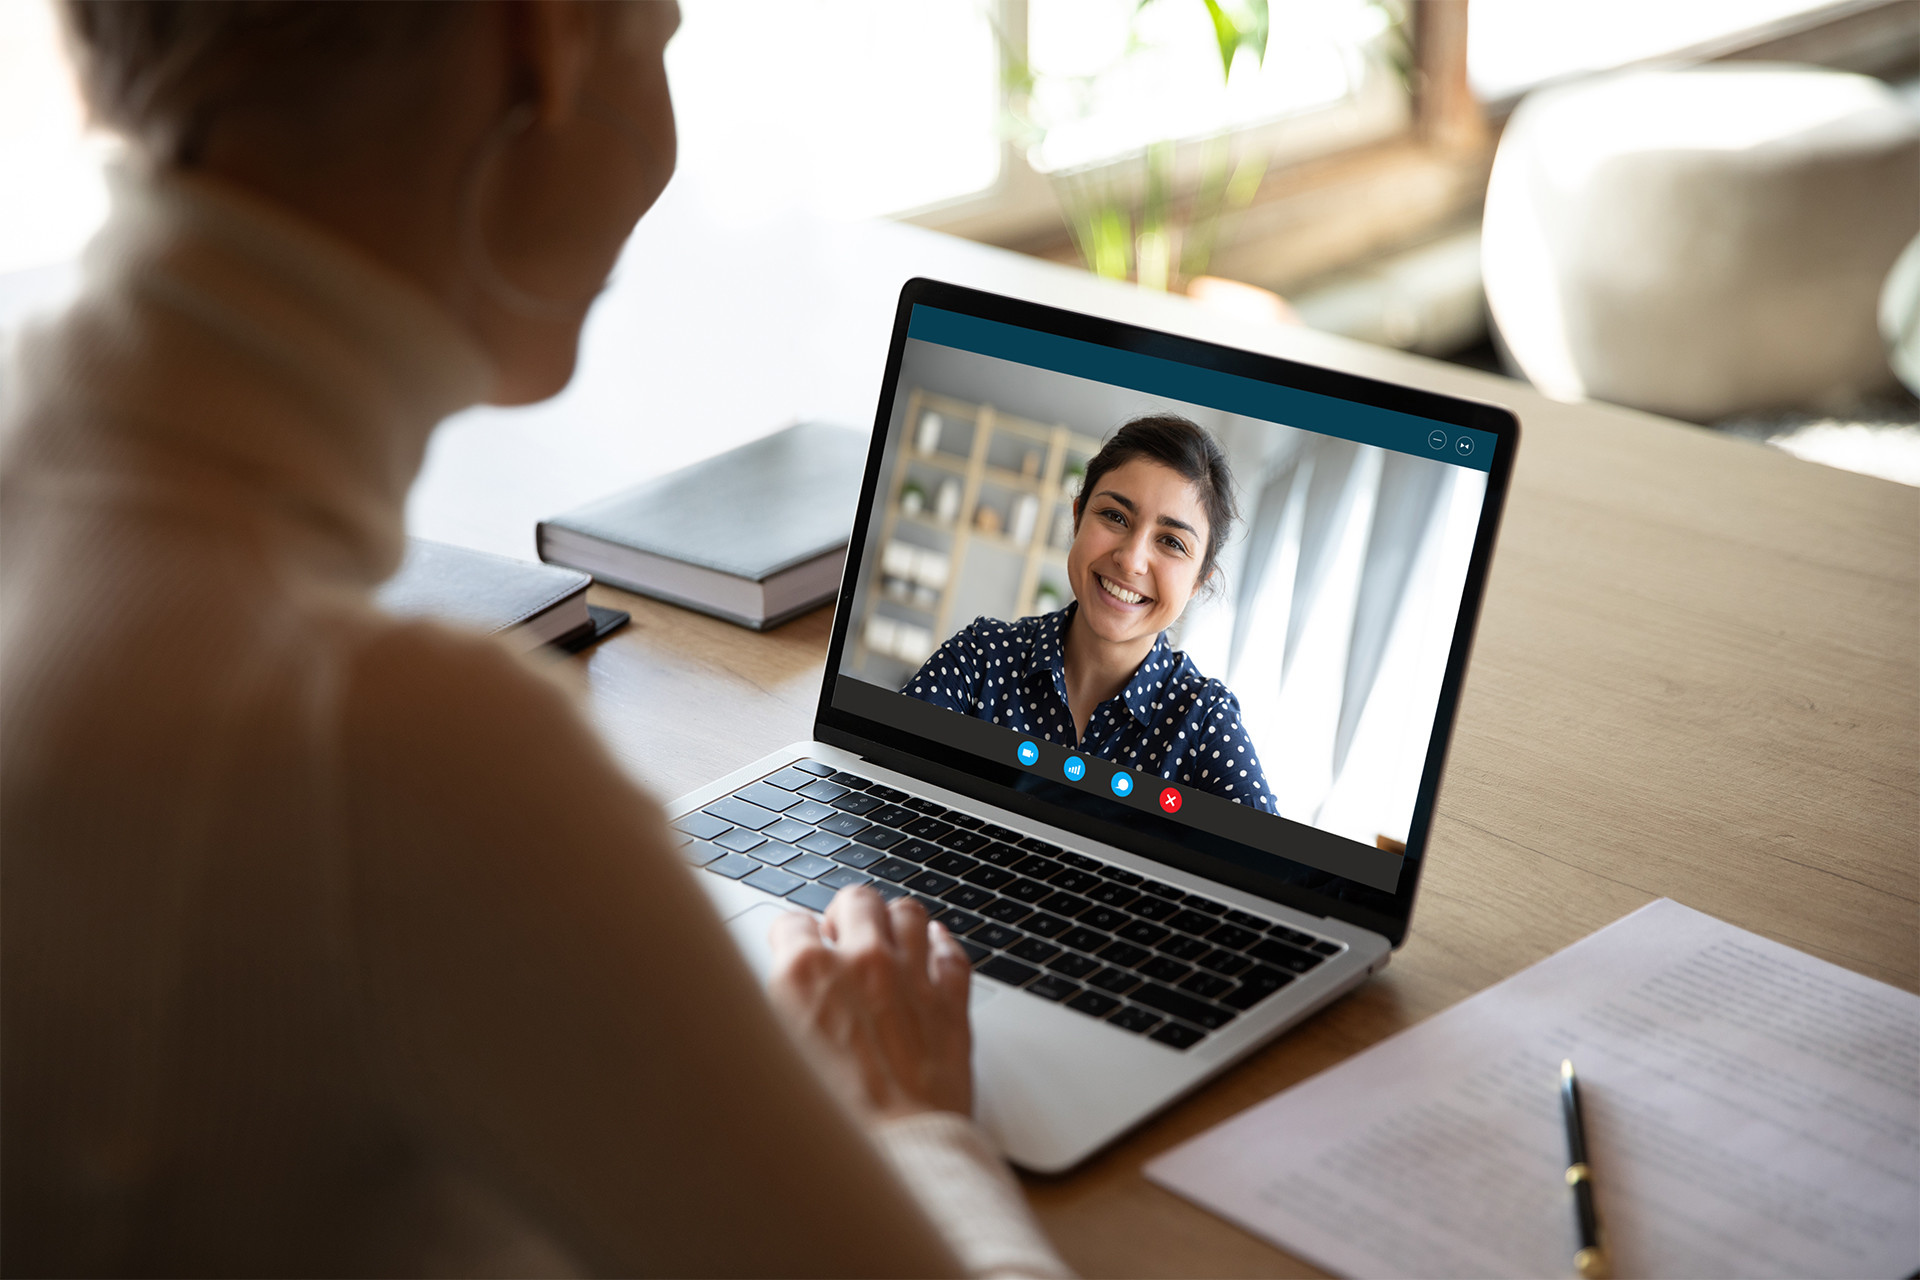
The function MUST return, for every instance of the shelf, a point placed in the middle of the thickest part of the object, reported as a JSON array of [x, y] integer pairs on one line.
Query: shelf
[[929, 523], [939, 458], [1001, 478]]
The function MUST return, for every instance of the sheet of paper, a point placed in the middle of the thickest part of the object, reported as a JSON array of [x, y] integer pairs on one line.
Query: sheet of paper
[[1751, 1111]]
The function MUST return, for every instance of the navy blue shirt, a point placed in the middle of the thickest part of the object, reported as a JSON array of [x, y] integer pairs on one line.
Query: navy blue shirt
[[1170, 721]]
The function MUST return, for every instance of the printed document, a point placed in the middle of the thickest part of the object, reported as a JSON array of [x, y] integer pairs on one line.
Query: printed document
[[1750, 1110]]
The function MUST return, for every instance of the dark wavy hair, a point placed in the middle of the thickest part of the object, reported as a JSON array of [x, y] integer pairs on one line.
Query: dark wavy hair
[[1182, 445]]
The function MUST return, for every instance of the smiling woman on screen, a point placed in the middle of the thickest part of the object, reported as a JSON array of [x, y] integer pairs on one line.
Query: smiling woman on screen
[[1099, 675]]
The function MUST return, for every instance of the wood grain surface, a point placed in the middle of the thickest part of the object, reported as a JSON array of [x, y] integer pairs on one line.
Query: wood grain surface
[[1697, 676]]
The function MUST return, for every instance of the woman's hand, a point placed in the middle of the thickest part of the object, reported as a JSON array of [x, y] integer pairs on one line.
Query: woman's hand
[[879, 996]]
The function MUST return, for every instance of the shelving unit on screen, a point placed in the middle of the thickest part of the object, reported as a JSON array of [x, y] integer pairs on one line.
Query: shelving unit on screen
[[977, 520]]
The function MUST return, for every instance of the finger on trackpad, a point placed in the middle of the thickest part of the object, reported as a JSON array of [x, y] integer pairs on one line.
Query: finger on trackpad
[[749, 930]]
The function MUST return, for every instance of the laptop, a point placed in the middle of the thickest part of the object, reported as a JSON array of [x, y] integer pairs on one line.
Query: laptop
[[1151, 898]]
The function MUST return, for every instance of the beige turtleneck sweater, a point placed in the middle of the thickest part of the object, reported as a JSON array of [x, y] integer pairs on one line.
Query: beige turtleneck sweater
[[334, 944]]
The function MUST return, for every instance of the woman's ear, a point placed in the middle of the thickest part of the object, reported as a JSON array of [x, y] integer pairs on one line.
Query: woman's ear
[[554, 45]]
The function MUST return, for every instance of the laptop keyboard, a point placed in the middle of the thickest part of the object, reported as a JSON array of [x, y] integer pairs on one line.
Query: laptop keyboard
[[1104, 941]]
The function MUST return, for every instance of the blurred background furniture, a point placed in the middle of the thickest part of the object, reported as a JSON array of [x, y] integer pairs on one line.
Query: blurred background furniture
[[1702, 242]]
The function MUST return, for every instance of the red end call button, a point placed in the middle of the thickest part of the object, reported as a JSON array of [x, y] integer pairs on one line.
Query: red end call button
[[1170, 800]]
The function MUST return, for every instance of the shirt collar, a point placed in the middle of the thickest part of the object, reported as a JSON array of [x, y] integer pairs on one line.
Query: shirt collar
[[1148, 679]]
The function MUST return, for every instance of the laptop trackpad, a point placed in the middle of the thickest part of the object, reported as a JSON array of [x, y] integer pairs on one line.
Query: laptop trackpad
[[749, 930]]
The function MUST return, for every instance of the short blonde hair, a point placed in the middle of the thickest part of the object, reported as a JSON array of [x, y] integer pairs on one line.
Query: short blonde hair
[[160, 72]]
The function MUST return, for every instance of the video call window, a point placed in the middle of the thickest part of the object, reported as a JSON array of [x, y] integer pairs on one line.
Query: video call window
[[1241, 607]]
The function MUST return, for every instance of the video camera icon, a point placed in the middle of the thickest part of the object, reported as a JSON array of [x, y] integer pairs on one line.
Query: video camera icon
[[1028, 753]]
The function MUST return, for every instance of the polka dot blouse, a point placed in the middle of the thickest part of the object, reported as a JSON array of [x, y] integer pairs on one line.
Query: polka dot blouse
[[1170, 721]]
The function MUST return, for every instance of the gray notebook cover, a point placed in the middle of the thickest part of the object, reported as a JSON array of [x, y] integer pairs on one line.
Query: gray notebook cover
[[488, 592], [750, 512]]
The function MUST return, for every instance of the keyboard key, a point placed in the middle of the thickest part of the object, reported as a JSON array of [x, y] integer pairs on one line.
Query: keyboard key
[[1183, 1006], [791, 778], [1281, 956], [1008, 970], [975, 952], [990, 877], [1092, 1002], [1191, 921], [1046, 926], [1153, 908], [858, 856], [1007, 911], [1135, 1019], [928, 828], [1122, 875], [1293, 936], [842, 878], [1125, 954], [999, 833], [1076, 881], [1080, 860], [1050, 987], [733, 866], [889, 794], [814, 897], [824, 843], [1325, 948], [950, 863], [995, 935], [880, 837], [851, 781], [1207, 905], [893, 870], [701, 852], [813, 767], [768, 797], [1033, 950], [893, 815], [1000, 855], [926, 882], [1164, 969], [1225, 962], [965, 820], [1181, 947], [925, 806], [1033, 845], [1113, 894], [959, 923], [1206, 984], [1248, 994], [775, 854], [823, 791], [1247, 920], [1104, 918], [888, 891], [788, 830], [1118, 981], [964, 841], [1178, 1036], [1027, 890], [1038, 867], [810, 811], [1233, 937], [1160, 890], [774, 881], [1074, 966], [739, 839], [1084, 939], [701, 826], [1063, 904], [917, 851], [1143, 933], [970, 896], [857, 803], [845, 824], [742, 814], [809, 866]]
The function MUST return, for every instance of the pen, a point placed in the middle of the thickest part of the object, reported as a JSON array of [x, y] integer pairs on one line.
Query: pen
[[1591, 1260]]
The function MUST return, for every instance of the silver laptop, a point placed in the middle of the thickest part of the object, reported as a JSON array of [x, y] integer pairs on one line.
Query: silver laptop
[[1152, 887]]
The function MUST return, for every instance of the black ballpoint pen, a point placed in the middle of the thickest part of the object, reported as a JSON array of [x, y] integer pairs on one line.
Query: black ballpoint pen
[[1591, 1260]]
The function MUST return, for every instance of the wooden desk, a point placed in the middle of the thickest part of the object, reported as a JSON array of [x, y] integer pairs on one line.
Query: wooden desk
[[1697, 674]]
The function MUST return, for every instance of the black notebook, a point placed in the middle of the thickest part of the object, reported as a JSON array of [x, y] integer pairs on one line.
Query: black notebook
[[526, 604], [756, 535]]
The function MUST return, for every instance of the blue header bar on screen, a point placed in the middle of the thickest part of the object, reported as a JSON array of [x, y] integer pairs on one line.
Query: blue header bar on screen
[[1367, 424]]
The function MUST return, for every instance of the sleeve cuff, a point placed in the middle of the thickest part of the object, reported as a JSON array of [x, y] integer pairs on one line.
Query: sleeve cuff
[[958, 1177]]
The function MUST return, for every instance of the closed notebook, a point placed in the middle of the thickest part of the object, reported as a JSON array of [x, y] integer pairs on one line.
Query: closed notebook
[[527, 604], [755, 535]]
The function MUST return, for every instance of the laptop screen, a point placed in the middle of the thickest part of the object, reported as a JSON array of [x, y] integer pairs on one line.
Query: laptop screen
[[1207, 606]]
